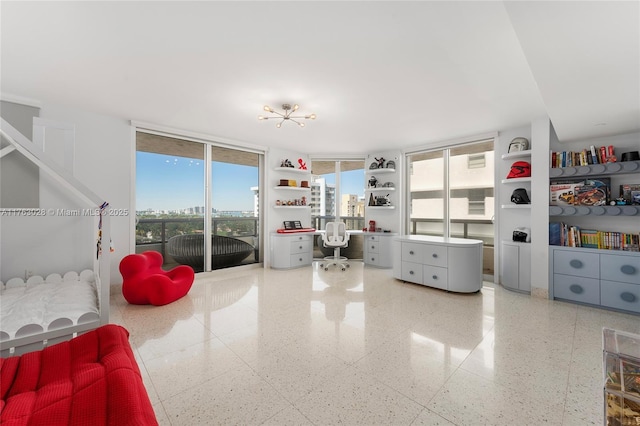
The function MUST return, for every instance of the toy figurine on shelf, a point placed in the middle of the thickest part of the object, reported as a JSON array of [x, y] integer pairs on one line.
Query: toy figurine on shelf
[[380, 162], [303, 165], [286, 163], [373, 182]]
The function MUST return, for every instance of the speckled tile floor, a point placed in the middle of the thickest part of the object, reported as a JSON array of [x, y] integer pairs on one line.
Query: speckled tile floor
[[253, 346]]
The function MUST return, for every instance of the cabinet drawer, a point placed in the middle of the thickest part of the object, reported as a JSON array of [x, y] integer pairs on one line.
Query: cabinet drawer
[[435, 276], [579, 289], [412, 272], [372, 246], [373, 259], [412, 252], [300, 247], [369, 238], [300, 259], [621, 268], [571, 262], [620, 295], [435, 255]]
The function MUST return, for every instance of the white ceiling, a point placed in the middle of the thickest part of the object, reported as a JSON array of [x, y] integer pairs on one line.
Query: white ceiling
[[379, 75]]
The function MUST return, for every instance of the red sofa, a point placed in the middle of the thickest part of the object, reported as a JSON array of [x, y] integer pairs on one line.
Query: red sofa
[[145, 282], [92, 379]]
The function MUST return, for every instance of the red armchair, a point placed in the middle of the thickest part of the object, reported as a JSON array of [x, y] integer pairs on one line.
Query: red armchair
[[145, 282]]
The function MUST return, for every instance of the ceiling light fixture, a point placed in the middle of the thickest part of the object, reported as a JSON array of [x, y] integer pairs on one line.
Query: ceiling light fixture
[[288, 110]]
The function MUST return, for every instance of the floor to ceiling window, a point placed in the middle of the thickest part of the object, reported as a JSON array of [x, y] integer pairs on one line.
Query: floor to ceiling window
[[197, 203], [451, 193], [337, 193], [235, 204]]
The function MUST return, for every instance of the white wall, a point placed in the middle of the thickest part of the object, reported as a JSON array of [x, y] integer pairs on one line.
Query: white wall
[[103, 163]]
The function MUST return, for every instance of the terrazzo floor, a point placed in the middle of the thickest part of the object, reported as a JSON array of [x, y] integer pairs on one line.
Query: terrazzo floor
[[254, 346]]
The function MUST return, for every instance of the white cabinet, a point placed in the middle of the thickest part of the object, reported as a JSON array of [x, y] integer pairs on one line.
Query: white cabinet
[[452, 264], [515, 258], [377, 249], [596, 277], [515, 268], [291, 250]]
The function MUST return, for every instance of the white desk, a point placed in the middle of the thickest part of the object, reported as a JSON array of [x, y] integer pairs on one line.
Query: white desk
[[295, 250], [452, 264]]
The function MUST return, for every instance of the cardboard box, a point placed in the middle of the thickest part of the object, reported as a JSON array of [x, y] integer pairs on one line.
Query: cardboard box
[[563, 193], [594, 192], [626, 192]]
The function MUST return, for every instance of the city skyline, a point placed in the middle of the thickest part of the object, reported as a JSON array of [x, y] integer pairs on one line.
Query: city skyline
[[173, 183]]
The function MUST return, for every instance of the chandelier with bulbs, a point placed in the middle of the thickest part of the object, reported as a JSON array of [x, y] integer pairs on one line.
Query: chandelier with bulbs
[[286, 116]]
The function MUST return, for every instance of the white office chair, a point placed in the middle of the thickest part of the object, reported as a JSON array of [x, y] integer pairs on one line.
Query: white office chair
[[336, 237]]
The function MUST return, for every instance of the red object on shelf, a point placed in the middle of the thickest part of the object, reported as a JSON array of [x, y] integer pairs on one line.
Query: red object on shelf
[[293, 231]]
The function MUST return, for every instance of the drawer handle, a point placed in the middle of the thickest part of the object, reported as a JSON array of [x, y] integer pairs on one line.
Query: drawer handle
[[628, 269], [410, 272], [628, 297], [576, 288], [300, 247], [435, 277], [411, 252], [373, 259], [576, 263], [373, 247], [434, 255], [300, 259]]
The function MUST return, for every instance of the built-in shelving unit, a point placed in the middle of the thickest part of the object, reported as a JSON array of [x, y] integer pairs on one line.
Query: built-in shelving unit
[[382, 189], [605, 277], [515, 257], [594, 210], [291, 169], [518, 154], [516, 206], [516, 180], [381, 170], [595, 170], [291, 188]]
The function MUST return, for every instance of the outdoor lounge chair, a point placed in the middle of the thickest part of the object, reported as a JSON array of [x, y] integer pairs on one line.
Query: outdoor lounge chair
[[189, 250]]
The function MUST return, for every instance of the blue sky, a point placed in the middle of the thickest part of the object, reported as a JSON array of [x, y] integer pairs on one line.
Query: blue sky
[[165, 182]]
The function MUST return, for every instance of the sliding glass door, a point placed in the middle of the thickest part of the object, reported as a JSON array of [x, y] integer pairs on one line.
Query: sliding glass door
[[197, 203], [235, 207], [169, 195], [452, 194]]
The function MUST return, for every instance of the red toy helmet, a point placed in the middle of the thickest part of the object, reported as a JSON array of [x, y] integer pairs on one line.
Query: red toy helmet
[[520, 169]]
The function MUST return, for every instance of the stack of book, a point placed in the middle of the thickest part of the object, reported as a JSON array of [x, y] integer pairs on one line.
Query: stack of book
[[562, 234], [592, 155]]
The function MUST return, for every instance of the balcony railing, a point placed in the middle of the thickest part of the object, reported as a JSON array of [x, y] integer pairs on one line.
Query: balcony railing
[[243, 228], [461, 228]]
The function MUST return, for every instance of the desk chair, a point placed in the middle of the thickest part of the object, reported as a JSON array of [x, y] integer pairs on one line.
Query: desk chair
[[335, 237]]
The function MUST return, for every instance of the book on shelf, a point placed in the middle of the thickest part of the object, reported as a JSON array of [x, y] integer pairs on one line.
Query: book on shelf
[[562, 234], [584, 157]]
